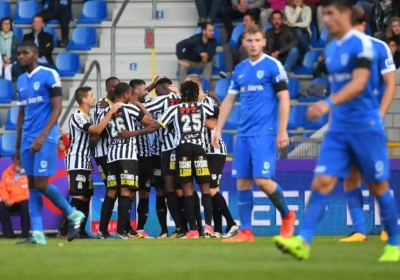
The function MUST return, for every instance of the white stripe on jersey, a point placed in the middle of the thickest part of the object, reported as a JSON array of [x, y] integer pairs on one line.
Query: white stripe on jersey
[[78, 155], [101, 146], [142, 142]]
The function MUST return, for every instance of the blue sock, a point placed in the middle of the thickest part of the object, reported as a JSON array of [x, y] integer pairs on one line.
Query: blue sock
[[313, 215], [58, 200], [245, 208], [355, 201], [279, 201], [35, 209], [388, 210]]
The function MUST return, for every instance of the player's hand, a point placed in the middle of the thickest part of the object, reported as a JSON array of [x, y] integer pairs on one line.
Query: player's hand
[[317, 110], [184, 63], [215, 139], [124, 134], [275, 54], [103, 104], [8, 203], [174, 89], [37, 144], [282, 141], [115, 107]]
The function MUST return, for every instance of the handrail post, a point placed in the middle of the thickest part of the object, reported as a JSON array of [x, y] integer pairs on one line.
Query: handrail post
[[154, 9], [113, 27], [93, 64]]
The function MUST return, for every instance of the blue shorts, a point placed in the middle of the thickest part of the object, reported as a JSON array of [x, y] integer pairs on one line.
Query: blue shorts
[[254, 157], [367, 150], [42, 163]]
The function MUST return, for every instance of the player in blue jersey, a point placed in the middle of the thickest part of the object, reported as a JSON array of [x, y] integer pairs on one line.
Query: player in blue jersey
[[355, 135], [39, 98], [384, 78], [261, 83]]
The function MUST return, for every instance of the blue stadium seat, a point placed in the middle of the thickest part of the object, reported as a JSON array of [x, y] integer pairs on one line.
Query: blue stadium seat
[[206, 84], [309, 59], [12, 115], [8, 144], [267, 26], [314, 34], [294, 88], [317, 124], [52, 32], [217, 33], [93, 12], [237, 31], [219, 63], [6, 91], [82, 39], [368, 30], [221, 88], [322, 39], [18, 31], [68, 64], [296, 117], [233, 119], [25, 10], [322, 80], [5, 10], [228, 139]]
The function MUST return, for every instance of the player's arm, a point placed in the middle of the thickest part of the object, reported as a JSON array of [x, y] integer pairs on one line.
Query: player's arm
[[143, 109], [214, 96], [97, 129], [20, 121], [211, 116], [388, 72]]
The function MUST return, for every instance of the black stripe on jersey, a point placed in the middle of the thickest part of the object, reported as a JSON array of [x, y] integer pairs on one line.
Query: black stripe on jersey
[[101, 146], [142, 142]]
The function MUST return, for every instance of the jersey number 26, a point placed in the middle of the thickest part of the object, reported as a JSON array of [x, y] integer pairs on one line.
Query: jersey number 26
[[117, 125]]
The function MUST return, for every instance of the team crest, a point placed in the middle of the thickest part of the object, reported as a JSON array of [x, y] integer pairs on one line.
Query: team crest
[[266, 165], [344, 59], [36, 85], [260, 74], [43, 164]]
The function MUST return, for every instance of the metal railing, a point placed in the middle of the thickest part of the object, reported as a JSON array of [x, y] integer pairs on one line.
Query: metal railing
[[96, 64]]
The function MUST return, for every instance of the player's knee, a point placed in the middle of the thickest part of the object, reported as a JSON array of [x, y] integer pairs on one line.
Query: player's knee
[[159, 192], [127, 192], [132, 195], [31, 182], [41, 183], [353, 181], [81, 197], [213, 191], [323, 184], [112, 193], [378, 189], [179, 192], [205, 188], [244, 184]]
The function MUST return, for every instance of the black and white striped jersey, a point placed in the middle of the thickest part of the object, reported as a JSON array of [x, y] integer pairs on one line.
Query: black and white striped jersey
[[78, 155], [143, 145], [157, 107], [123, 119], [101, 147], [188, 121], [210, 150]]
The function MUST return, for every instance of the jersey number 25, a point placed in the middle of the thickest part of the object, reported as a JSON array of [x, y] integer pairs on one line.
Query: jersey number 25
[[191, 122]]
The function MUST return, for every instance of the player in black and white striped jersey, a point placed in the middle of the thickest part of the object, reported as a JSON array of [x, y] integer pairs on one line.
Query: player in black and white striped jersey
[[216, 158], [78, 159]]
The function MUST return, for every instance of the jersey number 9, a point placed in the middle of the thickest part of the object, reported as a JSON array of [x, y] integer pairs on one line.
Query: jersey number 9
[[191, 122], [117, 125]]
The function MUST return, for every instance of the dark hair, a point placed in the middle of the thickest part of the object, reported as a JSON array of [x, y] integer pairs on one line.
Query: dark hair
[[110, 79], [391, 39], [81, 93], [4, 19], [251, 15], [164, 81], [136, 82], [341, 5], [189, 91], [121, 89], [276, 12], [38, 16], [30, 45], [203, 25], [357, 16]]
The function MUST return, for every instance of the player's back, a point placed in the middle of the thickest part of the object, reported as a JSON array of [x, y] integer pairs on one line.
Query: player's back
[[101, 147], [34, 93], [341, 57]]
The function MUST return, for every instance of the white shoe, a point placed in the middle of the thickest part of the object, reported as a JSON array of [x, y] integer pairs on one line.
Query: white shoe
[[233, 230]]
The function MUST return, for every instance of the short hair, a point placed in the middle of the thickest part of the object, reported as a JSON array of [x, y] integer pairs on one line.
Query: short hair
[[121, 89], [195, 78], [276, 12], [136, 82], [110, 79], [357, 16], [81, 93], [251, 15], [5, 19], [391, 39], [30, 45], [203, 25], [38, 16], [341, 5], [164, 81], [253, 29]]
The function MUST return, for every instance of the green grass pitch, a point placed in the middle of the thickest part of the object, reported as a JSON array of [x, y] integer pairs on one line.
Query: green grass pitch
[[205, 259]]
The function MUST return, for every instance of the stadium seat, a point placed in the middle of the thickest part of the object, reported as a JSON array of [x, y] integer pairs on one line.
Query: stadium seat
[[368, 30], [314, 34], [219, 63], [322, 39], [217, 33], [309, 59], [233, 119], [317, 124], [68, 64], [267, 26], [12, 115], [93, 12], [228, 139], [53, 33], [6, 91], [294, 88], [206, 84], [221, 88], [322, 80], [5, 10], [82, 39], [236, 34], [307, 134], [25, 10], [8, 144], [18, 31], [296, 117]]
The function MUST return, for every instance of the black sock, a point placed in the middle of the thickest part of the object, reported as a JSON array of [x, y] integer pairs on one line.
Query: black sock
[[173, 207], [161, 208], [207, 204], [197, 211], [181, 201], [217, 216], [84, 210], [143, 212], [221, 203], [106, 212], [128, 226], [124, 210], [76, 203], [189, 211]]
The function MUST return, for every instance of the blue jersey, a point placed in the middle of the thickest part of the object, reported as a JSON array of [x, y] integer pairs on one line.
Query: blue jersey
[[34, 93], [255, 82], [342, 57]]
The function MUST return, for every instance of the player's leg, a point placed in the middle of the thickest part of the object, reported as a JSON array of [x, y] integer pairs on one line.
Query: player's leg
[[355, 202], [144, 191], [129, 229], [161, 206], [197, 213], [181, 203]]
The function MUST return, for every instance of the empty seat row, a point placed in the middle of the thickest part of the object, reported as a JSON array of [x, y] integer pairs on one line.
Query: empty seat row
[[298, 119]]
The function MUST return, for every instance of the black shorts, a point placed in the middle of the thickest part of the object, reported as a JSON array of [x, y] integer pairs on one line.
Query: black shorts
[[192, 162], [80, 182], [158, 180], [103, 168], [123, 174], [168, 163], [216, 165], [145, 173]]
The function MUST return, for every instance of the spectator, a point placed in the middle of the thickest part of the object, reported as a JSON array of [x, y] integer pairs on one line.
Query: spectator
[[319, 67], [394, 48], [366, 6], [234, 55], [197, 52], [8, 48], [393, 30], [298, 17], [14, 194], [313, 4], [274, 5], [63, 144], [208, 9], [281, 42], [381, 13], [60, 10], [237, 9]]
